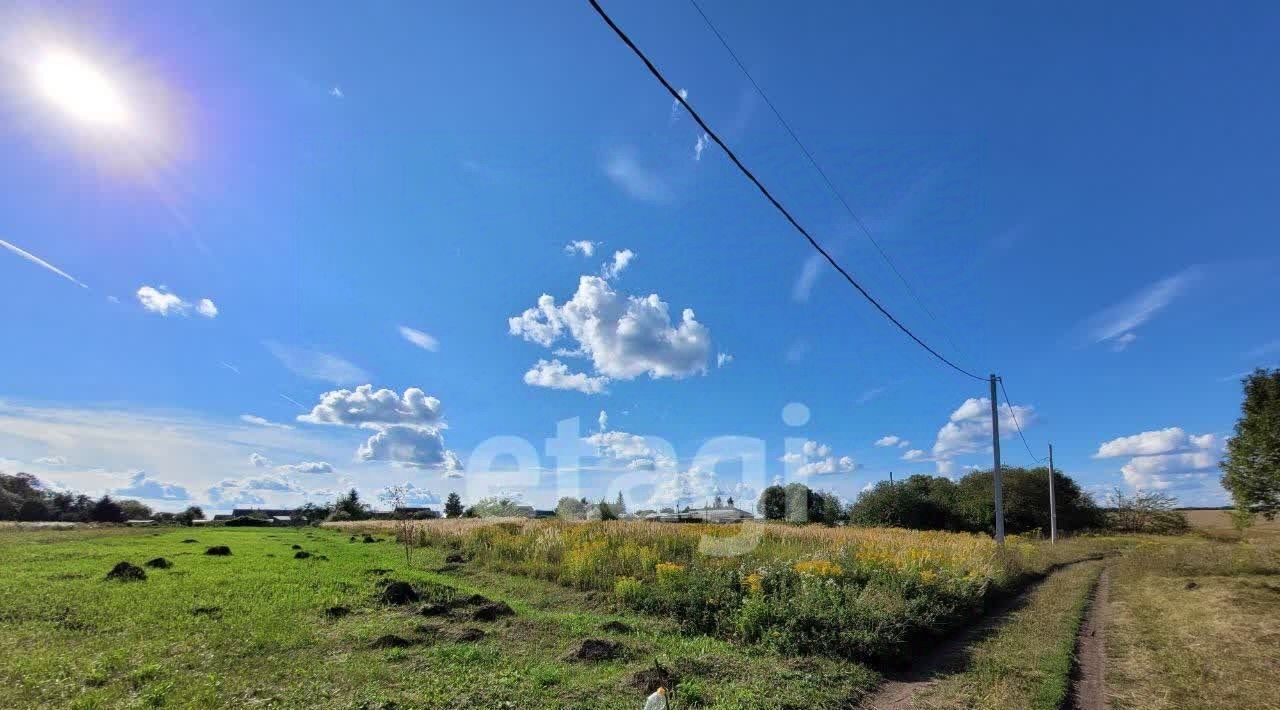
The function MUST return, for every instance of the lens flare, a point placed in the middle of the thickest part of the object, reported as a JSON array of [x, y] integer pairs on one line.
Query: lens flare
[[80, 89]]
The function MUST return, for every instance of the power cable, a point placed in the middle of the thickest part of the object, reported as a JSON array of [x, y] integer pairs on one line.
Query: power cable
[[765, 191], [1014, 415], [825, 178]]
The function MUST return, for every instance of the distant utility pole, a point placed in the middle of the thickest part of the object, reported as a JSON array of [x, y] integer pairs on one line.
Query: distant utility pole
[[1053, 506], [995, 449]]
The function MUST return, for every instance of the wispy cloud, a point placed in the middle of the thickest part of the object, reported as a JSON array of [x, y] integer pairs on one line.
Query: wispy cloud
[[317, 365], [582, 246], [1115, 324], [231, 367], [260, 421], [336, 92], [809, 272], [700, 146], [40, 262], [636, 180], [1263, 350], [161, 301], [419, 338], [621, 260]]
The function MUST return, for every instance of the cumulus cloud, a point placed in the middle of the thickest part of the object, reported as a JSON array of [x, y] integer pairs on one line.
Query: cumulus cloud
[[817, 459], [369, 408], [406, 445], [1149, 443], [419, 338], [581, 246], [316, 365], [143, 486], [413, 496], [624, 336], [555, 375], [259, 460], [1164, 470], [408, 426], [637, 181], [968, 430], [893, 440], [165, 303], [621, 259], [259, 421], [41, 263], [1115, 324], [308, 467]]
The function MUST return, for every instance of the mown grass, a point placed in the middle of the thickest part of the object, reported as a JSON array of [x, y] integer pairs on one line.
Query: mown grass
[[1026, 662], [869, 594], [71, 639], [1195, 624]]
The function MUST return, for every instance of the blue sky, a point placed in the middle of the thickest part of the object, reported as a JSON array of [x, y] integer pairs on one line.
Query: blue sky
[[1085, 197]]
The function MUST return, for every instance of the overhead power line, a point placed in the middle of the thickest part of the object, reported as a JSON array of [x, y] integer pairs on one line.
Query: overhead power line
[[1014, 415], [765, 191], [866, 231]]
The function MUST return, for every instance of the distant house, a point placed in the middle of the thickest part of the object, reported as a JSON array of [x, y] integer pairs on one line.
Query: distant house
[[140, 522], [409, 511], [709, 514], [277, 516]]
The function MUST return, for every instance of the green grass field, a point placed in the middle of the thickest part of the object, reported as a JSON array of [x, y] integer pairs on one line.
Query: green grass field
[[250, 630]]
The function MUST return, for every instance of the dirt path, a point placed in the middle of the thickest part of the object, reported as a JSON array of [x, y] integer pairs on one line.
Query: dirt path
[[899, 689], [1088, 682]]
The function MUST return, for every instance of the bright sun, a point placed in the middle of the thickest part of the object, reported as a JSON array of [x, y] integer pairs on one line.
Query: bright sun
[[80, 89]]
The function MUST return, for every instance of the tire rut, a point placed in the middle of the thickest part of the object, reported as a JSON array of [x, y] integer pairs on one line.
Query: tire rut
[[1089, 671]]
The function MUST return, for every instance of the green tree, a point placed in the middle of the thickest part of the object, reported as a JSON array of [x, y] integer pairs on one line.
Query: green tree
[[570, 508], [620, 506], [495, 507], [453, 506], [1251, 467], [33, 510], [773, 503], [133, 510], [606, 511], [1026, 502], [106, 510], [350, 505], [920, 502]]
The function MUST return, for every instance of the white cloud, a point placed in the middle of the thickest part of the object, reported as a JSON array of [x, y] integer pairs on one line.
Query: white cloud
[[1162, 471], [968, 430], [419, 338], [231, 367], [635, 180], [162, 302], [621, 259], [723, 359], [915, 455], [142, 486], [817, 459], [405, 445], [675, 104], [603, 420], [316, 365], [365, 407], [624, 336], [206, 308], [336, 92], [51, 460], [1116, 323], [581, 246], [1150, 443], [809, 272], [700, 146], [259, 460], [554, 374], [413, 496], [259, 421], [621, 445], [893, 440], [308, 467], [41, 262]]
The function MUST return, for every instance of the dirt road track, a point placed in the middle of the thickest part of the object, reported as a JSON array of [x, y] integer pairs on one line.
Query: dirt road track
[[1088, 682]]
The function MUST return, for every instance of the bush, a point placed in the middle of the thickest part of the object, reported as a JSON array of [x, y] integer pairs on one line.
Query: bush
[[247, 521]]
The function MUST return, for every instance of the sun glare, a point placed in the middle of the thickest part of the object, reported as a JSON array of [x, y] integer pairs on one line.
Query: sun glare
[[80, 89]]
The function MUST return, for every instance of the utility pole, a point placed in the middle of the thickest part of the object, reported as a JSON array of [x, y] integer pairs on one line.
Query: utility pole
[[1053, 506], [995, 449]]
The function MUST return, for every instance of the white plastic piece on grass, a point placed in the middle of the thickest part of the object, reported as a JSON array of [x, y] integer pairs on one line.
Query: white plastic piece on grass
[[657, 701]]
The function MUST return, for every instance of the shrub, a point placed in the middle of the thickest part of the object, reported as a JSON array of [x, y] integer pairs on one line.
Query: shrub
[[247, 521]]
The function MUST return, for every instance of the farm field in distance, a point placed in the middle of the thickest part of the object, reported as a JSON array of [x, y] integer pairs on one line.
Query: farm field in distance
[[262, 627]]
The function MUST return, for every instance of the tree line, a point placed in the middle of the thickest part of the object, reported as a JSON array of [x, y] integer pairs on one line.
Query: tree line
[[24, 498]]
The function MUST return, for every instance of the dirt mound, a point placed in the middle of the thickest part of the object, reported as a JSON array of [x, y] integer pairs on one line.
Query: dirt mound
[[295, 547], [593, 650], [301, 555], [158, 563], [126, 572], [472, 600], [650, 679], [337, 612], [351, 539], [1191, 585], [218, 551], [210, 611], [391, 641], [369, 538], [467, 635], [396, 592], [455, 558], [434, 610], [492, 612], [189, 540], [616, 627]]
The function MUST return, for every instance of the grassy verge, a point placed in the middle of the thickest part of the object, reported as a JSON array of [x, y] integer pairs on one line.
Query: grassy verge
[[250, 630], [1025, 662], [1195, 624]]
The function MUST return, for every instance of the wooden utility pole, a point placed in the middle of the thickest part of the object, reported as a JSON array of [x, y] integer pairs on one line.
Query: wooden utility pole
[[1053, 506], [995, 450]]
